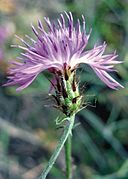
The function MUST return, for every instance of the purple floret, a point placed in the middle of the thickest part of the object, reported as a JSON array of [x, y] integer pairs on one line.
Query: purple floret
[[61, 45]]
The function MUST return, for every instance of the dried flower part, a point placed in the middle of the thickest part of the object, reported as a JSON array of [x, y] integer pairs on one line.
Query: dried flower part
[[57, 50]]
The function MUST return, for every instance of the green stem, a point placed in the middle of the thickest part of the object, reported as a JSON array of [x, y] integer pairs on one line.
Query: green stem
[[68, 157], [67, 132]]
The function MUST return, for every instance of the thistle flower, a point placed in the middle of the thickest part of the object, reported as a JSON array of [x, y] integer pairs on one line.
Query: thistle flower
[[61, 50]]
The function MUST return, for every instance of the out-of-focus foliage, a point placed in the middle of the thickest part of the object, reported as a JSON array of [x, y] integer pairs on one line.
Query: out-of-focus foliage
[[28, 134]]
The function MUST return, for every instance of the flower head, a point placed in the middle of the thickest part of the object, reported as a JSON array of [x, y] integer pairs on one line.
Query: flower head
[[58, 50]]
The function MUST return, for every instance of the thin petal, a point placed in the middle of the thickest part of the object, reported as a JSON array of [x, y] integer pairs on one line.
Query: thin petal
[[26, 84]]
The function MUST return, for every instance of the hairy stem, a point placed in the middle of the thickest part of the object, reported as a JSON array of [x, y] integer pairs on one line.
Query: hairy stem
[[68, 157], [67, 132]]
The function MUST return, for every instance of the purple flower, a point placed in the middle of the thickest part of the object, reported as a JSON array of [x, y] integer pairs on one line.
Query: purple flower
[[1, 54], [59, 48]]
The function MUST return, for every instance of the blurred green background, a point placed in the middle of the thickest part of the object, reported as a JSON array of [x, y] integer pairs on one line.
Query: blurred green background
[[28, 134]]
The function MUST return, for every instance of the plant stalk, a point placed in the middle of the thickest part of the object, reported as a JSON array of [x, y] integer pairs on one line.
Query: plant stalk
[[67, 131], [68, 159]]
